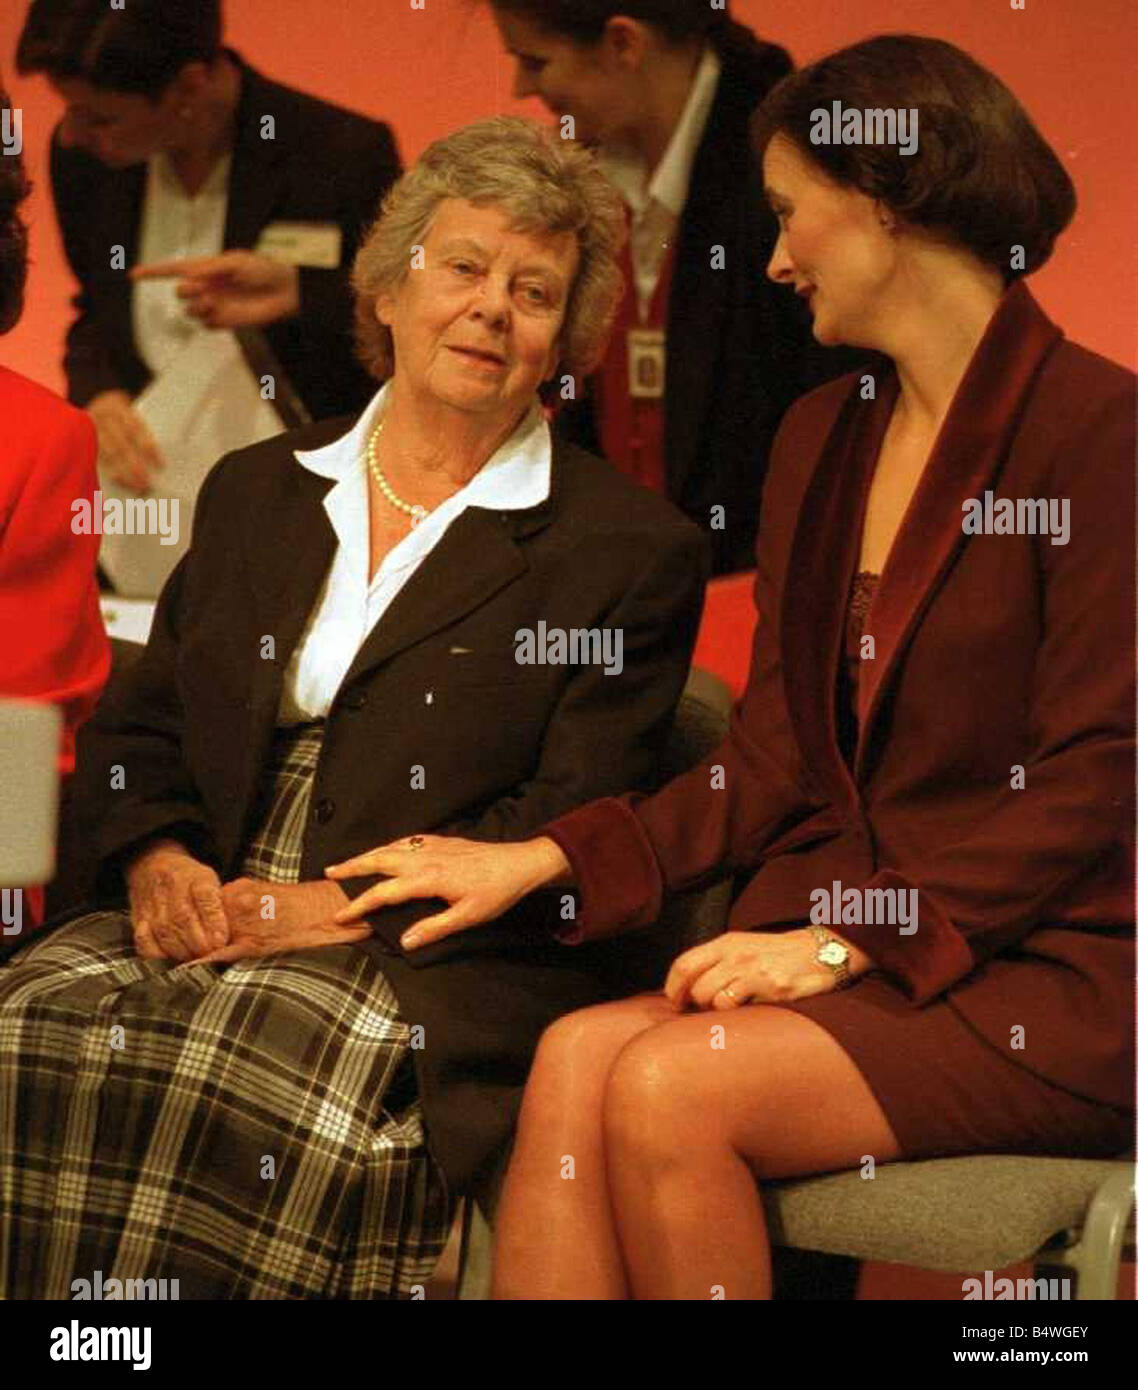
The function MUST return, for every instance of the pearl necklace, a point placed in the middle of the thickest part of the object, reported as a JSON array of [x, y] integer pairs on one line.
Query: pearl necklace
[[416, 512]]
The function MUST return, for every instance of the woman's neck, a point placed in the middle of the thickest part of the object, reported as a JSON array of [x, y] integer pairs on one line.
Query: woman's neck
[[436, 449], [933, 345]]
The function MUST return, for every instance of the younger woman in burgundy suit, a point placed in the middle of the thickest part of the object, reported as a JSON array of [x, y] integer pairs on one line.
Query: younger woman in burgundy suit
[[933, 755]]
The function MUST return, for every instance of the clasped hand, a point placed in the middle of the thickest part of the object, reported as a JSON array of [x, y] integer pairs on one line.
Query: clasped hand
[[180, 910]]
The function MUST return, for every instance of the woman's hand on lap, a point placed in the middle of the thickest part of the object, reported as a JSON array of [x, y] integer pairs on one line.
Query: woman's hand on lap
[[759, 967], [176, 907]]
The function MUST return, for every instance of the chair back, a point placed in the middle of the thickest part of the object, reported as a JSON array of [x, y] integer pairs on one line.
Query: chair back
[[29, 789]]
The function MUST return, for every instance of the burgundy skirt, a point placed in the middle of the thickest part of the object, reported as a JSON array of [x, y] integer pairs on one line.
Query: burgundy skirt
[[946, 1090]]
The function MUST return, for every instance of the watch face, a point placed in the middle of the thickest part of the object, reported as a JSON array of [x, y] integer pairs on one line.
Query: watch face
[[833, 953]]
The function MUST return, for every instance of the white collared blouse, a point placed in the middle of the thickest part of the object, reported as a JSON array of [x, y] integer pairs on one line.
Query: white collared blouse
[[515, 477]]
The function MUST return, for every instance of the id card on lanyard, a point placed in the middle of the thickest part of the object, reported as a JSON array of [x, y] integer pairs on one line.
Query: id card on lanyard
[[647, 353]]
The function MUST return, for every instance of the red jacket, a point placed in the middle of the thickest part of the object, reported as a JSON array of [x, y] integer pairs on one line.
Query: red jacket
[[992, 651], [52, 642]]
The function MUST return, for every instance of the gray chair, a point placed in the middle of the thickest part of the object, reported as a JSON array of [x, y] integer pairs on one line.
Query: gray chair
[[1072, 1218]]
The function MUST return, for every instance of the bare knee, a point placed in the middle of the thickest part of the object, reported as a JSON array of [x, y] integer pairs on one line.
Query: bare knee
[[576, 1051], [648, 1106]]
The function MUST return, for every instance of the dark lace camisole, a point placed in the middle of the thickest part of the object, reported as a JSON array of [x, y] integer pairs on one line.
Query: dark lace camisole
[[849, 669]]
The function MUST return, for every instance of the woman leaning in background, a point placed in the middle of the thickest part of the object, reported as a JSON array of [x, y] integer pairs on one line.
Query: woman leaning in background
[[706, 356], [335, 658], [939, 719], [52, 643]]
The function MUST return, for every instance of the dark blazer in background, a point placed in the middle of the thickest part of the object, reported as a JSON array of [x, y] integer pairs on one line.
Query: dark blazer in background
[[325, 165], [991, 652], [504, 747], [740, 349]]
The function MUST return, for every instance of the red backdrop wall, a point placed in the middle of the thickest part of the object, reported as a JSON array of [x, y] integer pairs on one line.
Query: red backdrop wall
[[429, 70]]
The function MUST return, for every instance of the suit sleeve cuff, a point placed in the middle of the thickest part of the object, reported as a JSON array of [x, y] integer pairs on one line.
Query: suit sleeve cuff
[[924, 962], [618, 879]]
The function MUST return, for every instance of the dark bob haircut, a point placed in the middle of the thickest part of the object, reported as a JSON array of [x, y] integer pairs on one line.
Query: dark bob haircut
[[982, 175], [584, 21], [139, 49], [14, 188]]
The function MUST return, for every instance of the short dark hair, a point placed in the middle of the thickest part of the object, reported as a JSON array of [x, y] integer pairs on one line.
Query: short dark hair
[[14, 188], [584, 21], [139, 49], [982, 174]]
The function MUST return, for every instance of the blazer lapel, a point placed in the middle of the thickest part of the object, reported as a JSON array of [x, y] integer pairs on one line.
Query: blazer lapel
[[973, 442], [290, 544], [475, 558], [820, 571]]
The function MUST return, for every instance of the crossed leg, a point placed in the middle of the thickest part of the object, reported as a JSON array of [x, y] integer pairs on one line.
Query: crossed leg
[[669, 1123]]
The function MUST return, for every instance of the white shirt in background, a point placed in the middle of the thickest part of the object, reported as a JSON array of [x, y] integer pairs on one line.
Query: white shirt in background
[[515, 477], [656, 199], [174, 226]]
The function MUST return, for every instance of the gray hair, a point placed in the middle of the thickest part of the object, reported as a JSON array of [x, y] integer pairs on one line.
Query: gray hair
[[545, 184]]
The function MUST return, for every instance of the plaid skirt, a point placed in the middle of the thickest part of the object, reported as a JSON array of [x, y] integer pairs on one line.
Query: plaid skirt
[[250, 1130]]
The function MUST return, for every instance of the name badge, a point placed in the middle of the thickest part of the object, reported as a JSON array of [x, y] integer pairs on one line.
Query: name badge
[[317, 244], [647, 352]]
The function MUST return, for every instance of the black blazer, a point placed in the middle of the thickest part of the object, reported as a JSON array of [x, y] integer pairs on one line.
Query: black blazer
[[505, 747], [740, 348], [325, 164]]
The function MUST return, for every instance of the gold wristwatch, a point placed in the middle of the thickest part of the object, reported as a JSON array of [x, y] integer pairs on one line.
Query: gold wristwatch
[[834, 955]]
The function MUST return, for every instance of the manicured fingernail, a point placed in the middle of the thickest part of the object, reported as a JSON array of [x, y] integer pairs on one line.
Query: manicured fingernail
[[409, 940]]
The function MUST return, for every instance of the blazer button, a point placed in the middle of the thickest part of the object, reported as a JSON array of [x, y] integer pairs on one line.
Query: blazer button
[[325, 810], [355, 698]]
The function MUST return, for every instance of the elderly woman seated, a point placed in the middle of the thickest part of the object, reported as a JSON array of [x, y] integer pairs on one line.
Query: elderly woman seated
[[222, 1085]]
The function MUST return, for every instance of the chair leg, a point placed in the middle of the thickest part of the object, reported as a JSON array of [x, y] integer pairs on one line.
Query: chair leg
[[1095, 1257]]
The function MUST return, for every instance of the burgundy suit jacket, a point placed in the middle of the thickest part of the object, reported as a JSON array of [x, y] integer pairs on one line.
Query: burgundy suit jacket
[[992, 652]]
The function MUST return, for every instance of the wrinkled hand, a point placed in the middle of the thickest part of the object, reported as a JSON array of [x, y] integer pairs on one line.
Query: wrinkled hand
[[128, 454], [267, 918], [175, 904], [759, 967], [236, 289], [480, 881]]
